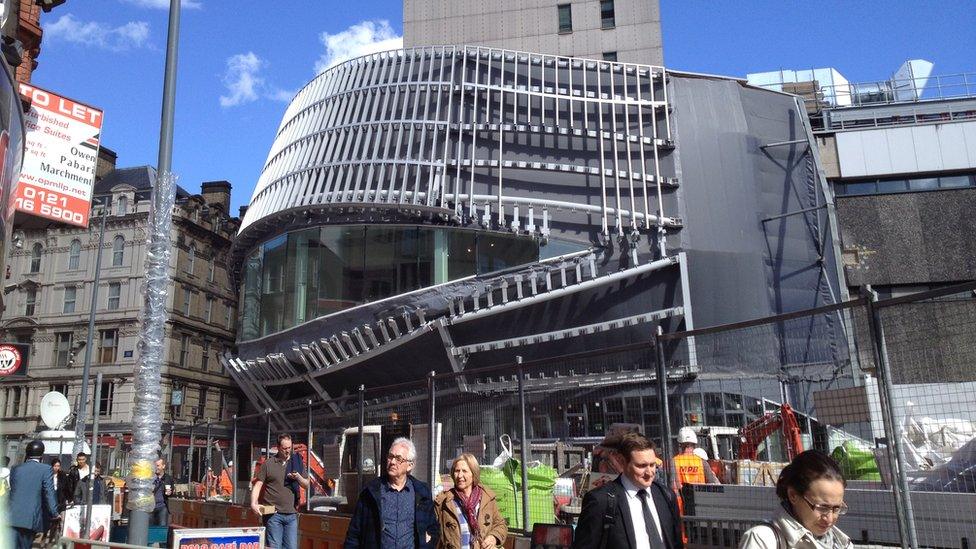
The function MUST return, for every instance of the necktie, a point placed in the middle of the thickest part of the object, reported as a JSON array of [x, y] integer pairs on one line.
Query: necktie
[[652, 534]]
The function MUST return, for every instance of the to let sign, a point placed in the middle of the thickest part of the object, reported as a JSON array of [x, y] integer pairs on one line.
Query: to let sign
[[60, 155]]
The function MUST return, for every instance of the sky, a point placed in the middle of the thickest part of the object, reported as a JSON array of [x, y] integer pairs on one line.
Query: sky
[[241, 61]]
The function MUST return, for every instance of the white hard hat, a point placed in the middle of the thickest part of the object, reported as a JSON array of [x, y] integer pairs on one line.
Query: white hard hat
[[686, 435], [700, 452]]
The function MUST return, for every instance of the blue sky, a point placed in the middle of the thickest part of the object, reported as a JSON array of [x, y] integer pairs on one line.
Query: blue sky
[[240, 60]]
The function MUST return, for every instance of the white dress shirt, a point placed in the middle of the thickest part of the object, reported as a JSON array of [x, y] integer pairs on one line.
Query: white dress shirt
[[637, 512]]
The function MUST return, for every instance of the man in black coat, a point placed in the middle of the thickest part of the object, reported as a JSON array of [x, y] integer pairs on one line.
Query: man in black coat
[[396, 511], [633, 511]]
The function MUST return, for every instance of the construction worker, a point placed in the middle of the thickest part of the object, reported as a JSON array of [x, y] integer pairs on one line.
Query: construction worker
[[689, 467]]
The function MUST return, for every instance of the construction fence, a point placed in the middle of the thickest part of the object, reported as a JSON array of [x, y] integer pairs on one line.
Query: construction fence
[[886, 386]]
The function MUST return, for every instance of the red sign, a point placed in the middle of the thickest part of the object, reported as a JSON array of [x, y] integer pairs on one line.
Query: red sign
[[13, 359]]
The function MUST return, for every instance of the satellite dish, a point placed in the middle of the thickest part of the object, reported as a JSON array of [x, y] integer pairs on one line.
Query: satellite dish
[[54, 409]]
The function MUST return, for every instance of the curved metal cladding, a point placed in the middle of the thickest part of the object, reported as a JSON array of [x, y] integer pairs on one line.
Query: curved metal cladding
[[499, 139], [446, 141]]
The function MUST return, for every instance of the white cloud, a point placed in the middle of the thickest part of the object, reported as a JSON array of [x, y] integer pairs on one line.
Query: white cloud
[[245, 84], [241, 79], [130, 35], [360, 39], [164, 4]]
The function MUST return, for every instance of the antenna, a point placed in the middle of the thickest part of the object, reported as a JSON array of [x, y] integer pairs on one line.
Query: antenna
[[54, 410]]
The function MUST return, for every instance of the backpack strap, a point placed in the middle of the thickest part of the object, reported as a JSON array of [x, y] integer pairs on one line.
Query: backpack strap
[[608, 519]]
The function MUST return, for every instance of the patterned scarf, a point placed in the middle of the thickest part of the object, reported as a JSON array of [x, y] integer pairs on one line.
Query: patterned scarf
[[470, 508]]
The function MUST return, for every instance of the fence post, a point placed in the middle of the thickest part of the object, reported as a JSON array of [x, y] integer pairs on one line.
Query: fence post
[[189, 453], [86, 519], [524, 454], [267, 434], [664, 407], [360, 426], [431, 390], [233, 461], [896, 456], [207, 460], [308, 459], [172, 443]]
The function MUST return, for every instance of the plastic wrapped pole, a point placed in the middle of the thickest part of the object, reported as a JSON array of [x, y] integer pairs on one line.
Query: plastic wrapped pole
[[147, 413]]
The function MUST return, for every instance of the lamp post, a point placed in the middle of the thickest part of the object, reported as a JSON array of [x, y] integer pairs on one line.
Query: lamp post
[[147, 422], [82, 409]]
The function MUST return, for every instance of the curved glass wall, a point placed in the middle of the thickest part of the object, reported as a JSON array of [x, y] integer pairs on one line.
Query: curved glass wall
[[314, 272]]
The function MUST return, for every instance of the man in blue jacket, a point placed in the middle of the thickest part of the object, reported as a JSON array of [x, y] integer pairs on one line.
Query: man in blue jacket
[[395, 511], [33, 504]]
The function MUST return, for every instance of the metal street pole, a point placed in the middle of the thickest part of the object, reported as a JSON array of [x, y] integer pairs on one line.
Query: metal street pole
[[432, 447], [663, 405], [86, 516], [146, 416], [233, 462], [80, 418], [524, 454], [308, 460]]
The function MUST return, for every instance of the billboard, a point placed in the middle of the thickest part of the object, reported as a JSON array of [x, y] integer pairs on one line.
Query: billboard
[[60, 154]]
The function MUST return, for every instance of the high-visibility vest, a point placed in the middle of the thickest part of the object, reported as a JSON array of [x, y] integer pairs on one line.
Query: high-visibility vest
[[691, 469]]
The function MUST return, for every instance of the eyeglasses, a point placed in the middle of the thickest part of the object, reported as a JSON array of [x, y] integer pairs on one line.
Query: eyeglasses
[[823, 509], [398, 459]]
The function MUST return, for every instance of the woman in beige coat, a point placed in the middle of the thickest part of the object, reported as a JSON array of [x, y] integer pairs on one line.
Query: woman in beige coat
[[811, 492], [468, 513]]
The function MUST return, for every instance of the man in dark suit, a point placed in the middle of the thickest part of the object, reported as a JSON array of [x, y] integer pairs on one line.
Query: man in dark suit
[[33, 503], [633, 511]]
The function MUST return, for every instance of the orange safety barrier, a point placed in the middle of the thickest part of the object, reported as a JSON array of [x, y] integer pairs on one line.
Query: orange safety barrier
[[321, 531]]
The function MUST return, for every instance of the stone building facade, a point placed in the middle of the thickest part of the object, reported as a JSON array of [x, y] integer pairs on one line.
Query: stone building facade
[[49, 291]]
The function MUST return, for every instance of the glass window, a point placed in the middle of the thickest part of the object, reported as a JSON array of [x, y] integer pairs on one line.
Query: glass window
[[565, 18], [62, 349], [187, 296], [867, 187], [610, 56], [70, 297], [713, 409], [205, 356], [212, 269], [498, 251], [228, 316], [105, 402], [191, 257], [892, 186], [122, 206], [311, 273], [118, 251], [74, 255], [209, 310], [923, 183], [462, 254], [607, 19], [31, 302], [955, 181], [35, 258], [184, 349], [114, 295], [108, 346]]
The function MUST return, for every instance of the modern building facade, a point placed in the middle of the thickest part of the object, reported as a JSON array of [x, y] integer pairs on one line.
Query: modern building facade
[[612, 30], [445, 208], [49, 291], [900, 156]]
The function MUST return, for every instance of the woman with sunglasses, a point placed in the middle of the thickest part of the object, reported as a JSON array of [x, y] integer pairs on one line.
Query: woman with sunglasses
[[811, 493]]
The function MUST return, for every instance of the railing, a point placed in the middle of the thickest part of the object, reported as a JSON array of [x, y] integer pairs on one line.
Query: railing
[[949, 86]]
